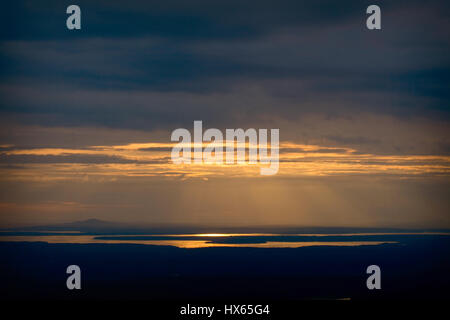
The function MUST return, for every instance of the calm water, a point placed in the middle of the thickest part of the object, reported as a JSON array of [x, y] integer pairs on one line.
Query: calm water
[[259, 240]]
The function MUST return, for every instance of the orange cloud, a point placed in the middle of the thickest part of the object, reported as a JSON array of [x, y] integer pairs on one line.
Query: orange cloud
[[153, 160]]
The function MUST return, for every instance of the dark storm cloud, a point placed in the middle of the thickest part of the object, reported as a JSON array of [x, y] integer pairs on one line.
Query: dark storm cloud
[[198, 19], [147, 65]]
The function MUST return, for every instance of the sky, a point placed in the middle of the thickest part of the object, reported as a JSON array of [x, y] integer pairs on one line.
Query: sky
[[86, 115]]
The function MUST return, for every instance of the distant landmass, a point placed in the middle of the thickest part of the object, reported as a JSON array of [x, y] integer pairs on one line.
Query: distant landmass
[[88, 225], [102, 226]]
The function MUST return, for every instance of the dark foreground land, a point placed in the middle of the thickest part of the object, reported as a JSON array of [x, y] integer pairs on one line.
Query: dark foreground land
[[417, 269]]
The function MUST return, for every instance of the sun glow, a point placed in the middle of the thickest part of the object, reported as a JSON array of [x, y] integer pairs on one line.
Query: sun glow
[[213, 235]]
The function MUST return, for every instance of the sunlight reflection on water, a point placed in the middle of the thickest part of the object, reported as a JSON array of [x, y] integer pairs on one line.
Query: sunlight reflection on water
[[85, 239]]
